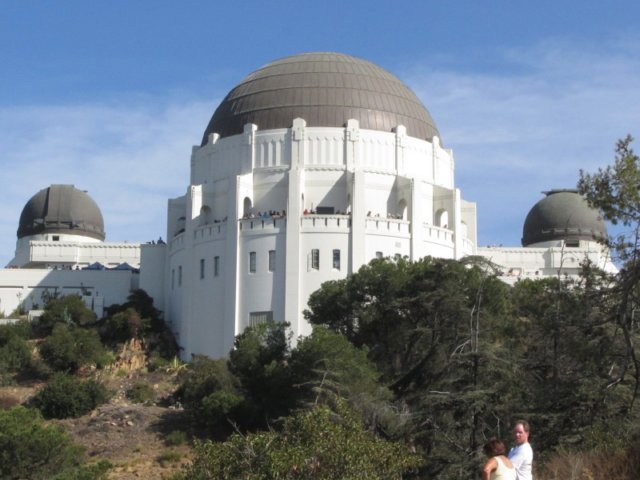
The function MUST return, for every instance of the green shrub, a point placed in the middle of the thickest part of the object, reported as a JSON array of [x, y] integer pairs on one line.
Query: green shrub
[[38, 369], [67, 396], [123, 326], [96, 471], [315, 444], [170, 456], [209, 391], [21, 329], [31, 449], [70, 348], [15, 354], [70, 309], [141, 392], [177, 437]]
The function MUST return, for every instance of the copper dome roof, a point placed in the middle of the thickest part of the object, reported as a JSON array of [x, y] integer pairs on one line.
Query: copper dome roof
[[61, 209], [326, 90], [563, 215]]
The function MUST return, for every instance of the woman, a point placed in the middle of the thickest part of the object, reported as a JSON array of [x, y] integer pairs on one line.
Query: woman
[[498, 466]]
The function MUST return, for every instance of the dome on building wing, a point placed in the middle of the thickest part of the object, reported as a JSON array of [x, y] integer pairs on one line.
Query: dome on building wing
[[563, 215], [61, 209], [326, 90]]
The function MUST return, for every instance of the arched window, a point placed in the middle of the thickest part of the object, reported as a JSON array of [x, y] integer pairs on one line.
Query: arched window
[[180, 225], [464, 230], [247, 206], [402, 209], [442, 218], [205, 215]]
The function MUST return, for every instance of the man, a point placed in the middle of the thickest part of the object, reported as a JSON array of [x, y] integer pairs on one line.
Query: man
[[522, 454]]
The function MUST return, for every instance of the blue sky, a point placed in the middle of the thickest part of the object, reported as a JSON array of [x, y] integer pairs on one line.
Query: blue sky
[[110, 96]]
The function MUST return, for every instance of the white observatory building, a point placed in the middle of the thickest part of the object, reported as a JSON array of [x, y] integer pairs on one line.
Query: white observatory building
[[309, 168]]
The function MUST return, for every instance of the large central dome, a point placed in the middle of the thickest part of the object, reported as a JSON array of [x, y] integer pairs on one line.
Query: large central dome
[[326, 90]]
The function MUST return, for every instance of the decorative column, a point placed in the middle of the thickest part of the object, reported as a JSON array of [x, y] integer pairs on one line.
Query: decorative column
[[293, 272]]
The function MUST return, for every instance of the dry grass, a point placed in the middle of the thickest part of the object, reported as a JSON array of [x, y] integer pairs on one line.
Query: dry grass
[[623, 465]]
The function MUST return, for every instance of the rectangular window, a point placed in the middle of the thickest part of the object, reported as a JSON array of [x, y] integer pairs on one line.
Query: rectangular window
[[315, 259], [252, 262], [256, 318], [56, 238], [272, 260], [173, 278], [379, 255], [180, 275], [201, 268], [216, 266], [336, 259]]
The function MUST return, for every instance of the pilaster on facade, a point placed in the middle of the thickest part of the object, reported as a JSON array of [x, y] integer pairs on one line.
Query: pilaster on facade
[[401, 136], [293, 270], [352, 139], [230, 323], [249, 134], [458, 238]]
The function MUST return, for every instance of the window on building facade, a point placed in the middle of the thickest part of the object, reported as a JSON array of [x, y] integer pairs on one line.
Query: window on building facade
[[256, 318], [379, 255], [216, 266], [201, 268], [315, 259], [272, 260], [173, 278], [180, 275], [336, 259], [252, 262]]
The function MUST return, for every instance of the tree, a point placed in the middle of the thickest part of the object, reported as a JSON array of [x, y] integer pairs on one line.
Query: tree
[[572, 354], [31, 449], [124, 325], [69, 309], [326, 367], [259, 360], [615, 191], [15, 352], [66, 396], [69, 348], [435, 329], [211, 393]]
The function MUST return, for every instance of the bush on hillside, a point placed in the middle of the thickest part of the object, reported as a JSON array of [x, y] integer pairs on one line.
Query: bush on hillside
[[66, 396], [15, 355], [69, 348], [141, 392], [123, 326], [15, 352], [314, 444], [70, 309], [210, 392], [31, 449]]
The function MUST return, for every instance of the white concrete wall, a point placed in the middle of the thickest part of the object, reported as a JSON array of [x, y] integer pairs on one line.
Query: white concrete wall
[[546, 261], [99, 288], [350, 169]]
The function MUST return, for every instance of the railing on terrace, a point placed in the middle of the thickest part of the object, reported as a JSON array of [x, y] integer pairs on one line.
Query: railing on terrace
[[210, 232], [177, 242], [262, 223], [467, 246], [438, 235], [322, 222], [387, 225]]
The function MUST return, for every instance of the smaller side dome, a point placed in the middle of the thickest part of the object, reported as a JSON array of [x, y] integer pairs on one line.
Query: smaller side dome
[[563, 215], [61, 209]]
